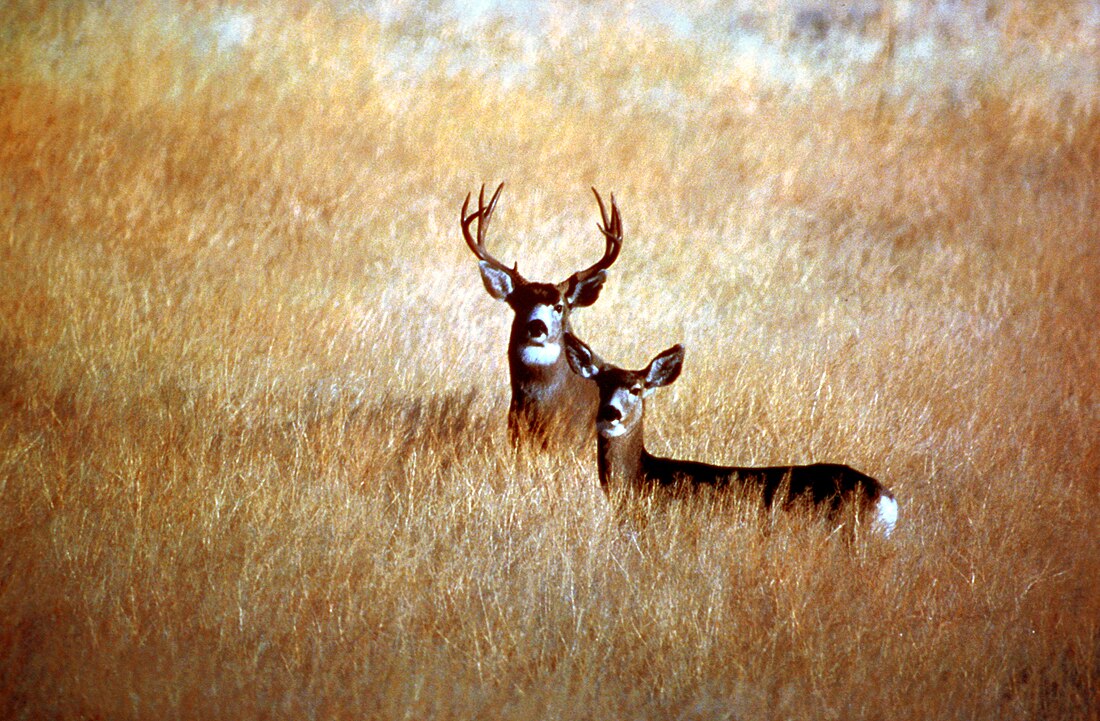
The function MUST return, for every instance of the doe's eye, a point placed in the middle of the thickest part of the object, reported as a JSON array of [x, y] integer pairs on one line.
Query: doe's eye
[[559, 308], [635, 390]]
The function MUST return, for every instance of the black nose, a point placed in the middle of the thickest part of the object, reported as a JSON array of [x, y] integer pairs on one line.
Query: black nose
[[610, 413], [536, 328]]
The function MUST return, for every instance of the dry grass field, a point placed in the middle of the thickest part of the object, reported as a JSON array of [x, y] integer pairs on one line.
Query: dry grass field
[[253, 460]]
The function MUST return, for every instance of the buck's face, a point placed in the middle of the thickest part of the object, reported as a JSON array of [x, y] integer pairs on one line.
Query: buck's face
[[622, 392], [541, 315], [542, 309]]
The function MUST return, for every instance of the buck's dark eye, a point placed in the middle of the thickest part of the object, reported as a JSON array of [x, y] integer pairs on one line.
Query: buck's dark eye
[[635, 390], [559, 308]]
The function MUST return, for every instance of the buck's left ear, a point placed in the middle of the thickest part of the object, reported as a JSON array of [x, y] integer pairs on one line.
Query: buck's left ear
[[664, 369], [583, 293]]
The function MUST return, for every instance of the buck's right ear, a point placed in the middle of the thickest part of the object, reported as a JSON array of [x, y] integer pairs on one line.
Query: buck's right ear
[[581, 358], [498, 282], [582, 292], [665, 368]]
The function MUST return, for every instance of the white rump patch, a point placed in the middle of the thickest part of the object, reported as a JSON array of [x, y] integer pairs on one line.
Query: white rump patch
[[886, 515], [540, 355]]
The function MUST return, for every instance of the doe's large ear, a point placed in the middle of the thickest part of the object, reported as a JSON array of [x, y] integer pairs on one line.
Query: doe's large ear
[[581, 293], [665, 368], [499, 282], [581, 359]]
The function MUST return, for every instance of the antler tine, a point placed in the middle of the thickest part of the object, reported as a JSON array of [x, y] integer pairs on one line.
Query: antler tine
[[612, 229], [603, 211], [484, 222], [616, 224], [483, 214]]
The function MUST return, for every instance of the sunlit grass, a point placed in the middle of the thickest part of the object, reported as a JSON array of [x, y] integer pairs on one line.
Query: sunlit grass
[[252, 393]]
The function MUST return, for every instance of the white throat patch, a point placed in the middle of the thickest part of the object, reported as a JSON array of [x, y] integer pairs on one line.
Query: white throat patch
[[540, 355]]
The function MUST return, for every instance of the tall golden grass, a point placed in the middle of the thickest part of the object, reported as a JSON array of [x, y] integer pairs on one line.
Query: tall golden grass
[[252, 394]]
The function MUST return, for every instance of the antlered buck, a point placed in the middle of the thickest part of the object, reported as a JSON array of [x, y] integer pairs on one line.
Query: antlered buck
[[624, 463], [549, 403]]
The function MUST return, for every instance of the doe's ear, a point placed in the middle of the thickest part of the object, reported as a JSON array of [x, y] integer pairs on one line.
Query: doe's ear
[[583, 293], [500, 283], [665, 368], [581, 359]]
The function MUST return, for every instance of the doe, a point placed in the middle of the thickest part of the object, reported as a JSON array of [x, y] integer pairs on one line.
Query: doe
[[549, 403], [624, 462]]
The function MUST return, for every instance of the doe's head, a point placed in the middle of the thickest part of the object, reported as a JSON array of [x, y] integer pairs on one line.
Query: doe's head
[[622, 392]]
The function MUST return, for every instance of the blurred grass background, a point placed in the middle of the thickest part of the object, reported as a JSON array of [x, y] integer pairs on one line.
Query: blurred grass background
[[253, 393]]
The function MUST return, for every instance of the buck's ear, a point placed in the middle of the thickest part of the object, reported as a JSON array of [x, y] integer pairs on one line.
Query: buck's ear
[[583, 293], [664, 369], [500, 283], [581, 359]]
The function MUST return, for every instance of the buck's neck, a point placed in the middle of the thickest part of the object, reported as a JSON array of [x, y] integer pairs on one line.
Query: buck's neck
[[621, 458], [539, 372]]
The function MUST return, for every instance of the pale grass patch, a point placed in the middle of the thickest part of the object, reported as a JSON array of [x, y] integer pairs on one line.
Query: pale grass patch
[[252, 394]]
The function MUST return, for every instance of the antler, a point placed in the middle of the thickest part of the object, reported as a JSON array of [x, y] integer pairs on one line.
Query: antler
[[484, 212], [612, 229]]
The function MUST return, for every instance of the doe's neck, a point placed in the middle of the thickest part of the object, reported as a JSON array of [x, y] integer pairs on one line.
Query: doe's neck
[[621, 458]]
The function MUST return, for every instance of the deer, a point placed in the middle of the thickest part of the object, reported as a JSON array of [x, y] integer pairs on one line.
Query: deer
[[549, 403], [624, 463]]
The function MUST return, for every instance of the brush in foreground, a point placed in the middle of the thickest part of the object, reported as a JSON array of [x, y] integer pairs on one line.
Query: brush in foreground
[[624, 462]]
